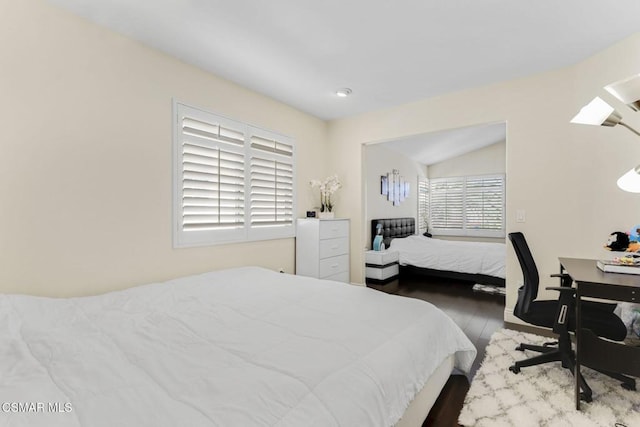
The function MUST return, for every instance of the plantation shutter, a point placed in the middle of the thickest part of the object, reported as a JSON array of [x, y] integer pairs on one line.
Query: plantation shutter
[[485, 202], [272, 182], [423, 205], [232, 182], [210, 182], [467, 206], [446, 203]]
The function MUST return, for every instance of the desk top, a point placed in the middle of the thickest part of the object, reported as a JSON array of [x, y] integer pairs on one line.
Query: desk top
[[586, 271]]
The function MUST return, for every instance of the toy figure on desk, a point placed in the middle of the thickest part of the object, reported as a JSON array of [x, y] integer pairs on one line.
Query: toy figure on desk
[[378, 244], [634, 239], [618, 241]]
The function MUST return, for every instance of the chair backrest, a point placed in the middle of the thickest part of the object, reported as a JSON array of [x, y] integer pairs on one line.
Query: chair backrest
[[529, 290]]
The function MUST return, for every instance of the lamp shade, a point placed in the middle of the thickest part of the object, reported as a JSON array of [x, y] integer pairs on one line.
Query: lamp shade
[[630, 181], [597, 113], [627, 91]]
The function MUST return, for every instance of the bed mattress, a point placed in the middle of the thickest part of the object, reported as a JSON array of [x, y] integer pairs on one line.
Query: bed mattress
[[449, 255], [239, 347]]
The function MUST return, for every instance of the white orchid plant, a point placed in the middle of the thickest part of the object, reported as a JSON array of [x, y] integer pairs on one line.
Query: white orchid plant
[[330, 185]]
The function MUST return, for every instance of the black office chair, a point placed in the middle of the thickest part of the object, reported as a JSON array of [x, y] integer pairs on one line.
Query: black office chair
[[560, 316]]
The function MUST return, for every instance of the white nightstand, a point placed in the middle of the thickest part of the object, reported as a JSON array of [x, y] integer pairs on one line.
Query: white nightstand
[[381, 266]]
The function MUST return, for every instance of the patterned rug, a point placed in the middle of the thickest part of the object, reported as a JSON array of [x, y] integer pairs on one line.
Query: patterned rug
[[541, 395]]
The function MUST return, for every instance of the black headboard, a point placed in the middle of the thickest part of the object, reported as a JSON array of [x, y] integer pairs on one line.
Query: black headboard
[[392, 228]]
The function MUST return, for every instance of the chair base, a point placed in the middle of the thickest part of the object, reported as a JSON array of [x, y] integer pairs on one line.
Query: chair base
[[564, 353]]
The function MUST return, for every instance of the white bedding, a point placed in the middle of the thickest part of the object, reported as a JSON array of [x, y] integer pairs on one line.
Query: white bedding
[[240, 347], [449, 255]]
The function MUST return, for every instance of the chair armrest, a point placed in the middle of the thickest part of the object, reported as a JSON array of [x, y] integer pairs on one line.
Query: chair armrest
[[565, 279]]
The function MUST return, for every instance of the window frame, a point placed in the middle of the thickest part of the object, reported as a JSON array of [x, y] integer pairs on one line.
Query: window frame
[[246, 233]]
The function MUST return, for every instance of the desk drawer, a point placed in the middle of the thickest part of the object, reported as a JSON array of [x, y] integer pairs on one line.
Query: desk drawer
[[332, 229], [333, 265], [334, 247], [610, 292]]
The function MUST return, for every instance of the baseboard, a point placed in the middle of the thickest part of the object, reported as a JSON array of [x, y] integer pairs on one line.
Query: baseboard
[[515, 323], [536, 330]]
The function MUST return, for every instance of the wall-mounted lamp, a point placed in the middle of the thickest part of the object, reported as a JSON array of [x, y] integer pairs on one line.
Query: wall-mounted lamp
[[599, 113], [627, 91]]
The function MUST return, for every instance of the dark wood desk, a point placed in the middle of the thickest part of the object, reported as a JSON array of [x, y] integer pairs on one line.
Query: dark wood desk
[[591, 350]]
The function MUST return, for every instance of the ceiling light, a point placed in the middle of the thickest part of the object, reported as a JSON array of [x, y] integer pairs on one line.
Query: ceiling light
[[627, 91], [344, 92]]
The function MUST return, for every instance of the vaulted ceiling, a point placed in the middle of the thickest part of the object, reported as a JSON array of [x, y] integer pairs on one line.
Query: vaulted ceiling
[[388, 52]]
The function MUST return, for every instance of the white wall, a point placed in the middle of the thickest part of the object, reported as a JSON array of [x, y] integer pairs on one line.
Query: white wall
[[379, 161], [487, 160], [562, 175], [85, 171]]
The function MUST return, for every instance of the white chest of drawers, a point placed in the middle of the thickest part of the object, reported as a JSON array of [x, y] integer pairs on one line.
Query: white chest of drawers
[[322, 248]]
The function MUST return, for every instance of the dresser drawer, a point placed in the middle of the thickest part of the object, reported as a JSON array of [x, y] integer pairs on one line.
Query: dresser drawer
[[334, 265], [334, 247], [333, 229]]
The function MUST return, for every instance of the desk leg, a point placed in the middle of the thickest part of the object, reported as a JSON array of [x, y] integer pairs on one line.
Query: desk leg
[[576, 374]]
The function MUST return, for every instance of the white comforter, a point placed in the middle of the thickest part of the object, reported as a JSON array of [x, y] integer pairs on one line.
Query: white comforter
[[448, 255], [241, 347]]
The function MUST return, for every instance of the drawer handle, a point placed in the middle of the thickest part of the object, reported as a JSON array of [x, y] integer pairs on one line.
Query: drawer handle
[[335, 247], [335, 266]]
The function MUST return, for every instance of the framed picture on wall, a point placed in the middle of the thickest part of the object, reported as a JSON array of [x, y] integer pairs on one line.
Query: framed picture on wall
[[384, 185]]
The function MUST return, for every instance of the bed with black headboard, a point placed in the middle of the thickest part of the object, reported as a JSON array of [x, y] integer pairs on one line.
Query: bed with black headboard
[[477, 262]]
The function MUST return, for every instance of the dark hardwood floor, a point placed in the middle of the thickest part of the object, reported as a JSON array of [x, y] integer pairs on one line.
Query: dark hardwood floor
[[478, 314]]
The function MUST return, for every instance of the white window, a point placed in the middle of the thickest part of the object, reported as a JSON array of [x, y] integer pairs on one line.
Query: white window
[[467, 206], [232, 182]]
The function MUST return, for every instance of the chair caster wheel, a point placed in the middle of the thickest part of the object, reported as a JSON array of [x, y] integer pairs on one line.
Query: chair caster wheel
[[586, 397], [520, 348], [515, 369]]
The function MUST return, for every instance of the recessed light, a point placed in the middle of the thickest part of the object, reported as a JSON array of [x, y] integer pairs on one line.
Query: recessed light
[[344, 92]]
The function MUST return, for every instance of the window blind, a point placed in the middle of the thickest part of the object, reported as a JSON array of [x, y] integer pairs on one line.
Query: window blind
[[472, 205], [212, 176], [232, 182], [446, 201], [423, 205], [484, 203], [271, 182]]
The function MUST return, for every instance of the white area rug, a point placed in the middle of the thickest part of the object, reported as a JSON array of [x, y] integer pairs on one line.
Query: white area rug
[[541, 395]]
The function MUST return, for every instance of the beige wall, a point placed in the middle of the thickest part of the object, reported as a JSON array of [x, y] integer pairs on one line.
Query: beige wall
[[380, 160], [484, 161], [85, 170], [562, 175]]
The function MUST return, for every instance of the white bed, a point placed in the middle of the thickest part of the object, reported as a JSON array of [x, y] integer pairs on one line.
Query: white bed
[[481, 258], [239, 347]]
